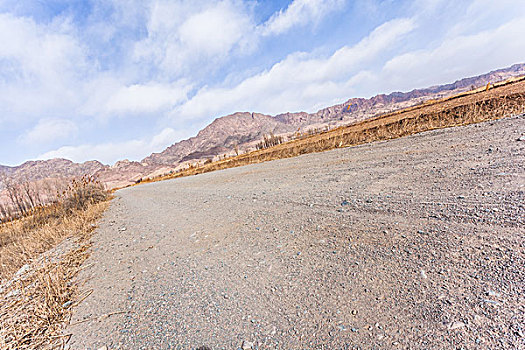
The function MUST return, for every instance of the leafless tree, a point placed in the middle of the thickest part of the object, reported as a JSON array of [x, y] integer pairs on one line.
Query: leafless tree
[[16, 197], [269, 141]]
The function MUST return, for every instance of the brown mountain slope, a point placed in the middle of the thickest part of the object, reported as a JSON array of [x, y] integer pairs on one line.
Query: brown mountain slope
[[49, 169], [245, 128], [220, 136]]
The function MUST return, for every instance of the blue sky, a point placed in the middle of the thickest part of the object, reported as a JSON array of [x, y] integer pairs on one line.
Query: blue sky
[[114, 79]]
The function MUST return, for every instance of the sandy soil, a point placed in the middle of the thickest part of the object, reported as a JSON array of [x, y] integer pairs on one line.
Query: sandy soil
[[413, 243]]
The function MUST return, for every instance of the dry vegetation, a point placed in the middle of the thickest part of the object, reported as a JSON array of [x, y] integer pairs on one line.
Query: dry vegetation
[[40, 254], [23, 198], [487, 103], [269, 141]]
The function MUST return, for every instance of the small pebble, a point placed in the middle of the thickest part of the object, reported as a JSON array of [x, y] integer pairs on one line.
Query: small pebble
[[456, 325], [492, 293], [246, 345]]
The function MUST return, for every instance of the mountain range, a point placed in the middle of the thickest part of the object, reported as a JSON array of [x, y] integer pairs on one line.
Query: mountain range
[[241, 131]]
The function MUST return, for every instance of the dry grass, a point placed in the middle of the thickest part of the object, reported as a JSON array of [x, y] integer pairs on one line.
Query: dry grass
[[24, 239], [47, 249], [501, 100], [21, 242]]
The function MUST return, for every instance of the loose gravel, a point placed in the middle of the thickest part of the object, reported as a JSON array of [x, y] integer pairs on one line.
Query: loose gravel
[[412, 243]]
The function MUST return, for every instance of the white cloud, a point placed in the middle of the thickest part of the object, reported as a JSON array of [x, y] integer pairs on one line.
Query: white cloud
[[46, 72], [300, 13], [39, 64], [48, 131], [41, 49], [166, 138], [215, 30], [484, 13], [183, 38], [107, 97], [457, 56], [146, 98], [300, 81]]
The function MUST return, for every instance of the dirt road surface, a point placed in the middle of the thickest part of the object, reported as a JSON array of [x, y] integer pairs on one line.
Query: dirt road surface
[[413, 243]]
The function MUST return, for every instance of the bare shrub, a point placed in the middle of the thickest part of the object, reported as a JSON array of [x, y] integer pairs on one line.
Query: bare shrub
[[36, 199], [269, 141], [81, 193], [35, 302]]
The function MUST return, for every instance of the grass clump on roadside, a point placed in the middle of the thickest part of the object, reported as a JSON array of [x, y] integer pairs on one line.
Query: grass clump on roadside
[[40, 254]]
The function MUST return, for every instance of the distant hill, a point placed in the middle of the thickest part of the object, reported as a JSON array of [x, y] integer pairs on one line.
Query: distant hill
[[50, 169]]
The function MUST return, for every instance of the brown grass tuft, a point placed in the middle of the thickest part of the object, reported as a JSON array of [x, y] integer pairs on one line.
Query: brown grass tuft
[[40, 254]]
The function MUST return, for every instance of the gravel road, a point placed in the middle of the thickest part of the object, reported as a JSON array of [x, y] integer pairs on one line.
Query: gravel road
[[410, 243]]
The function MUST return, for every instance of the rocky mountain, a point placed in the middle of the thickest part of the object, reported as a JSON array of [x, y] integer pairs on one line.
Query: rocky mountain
[[49, 169], [242, 130], [220, 137], [4, 169], [124, 172]]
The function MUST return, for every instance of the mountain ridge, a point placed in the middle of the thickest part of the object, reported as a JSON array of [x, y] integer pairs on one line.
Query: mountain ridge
[[352, 110], [242, 130]]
